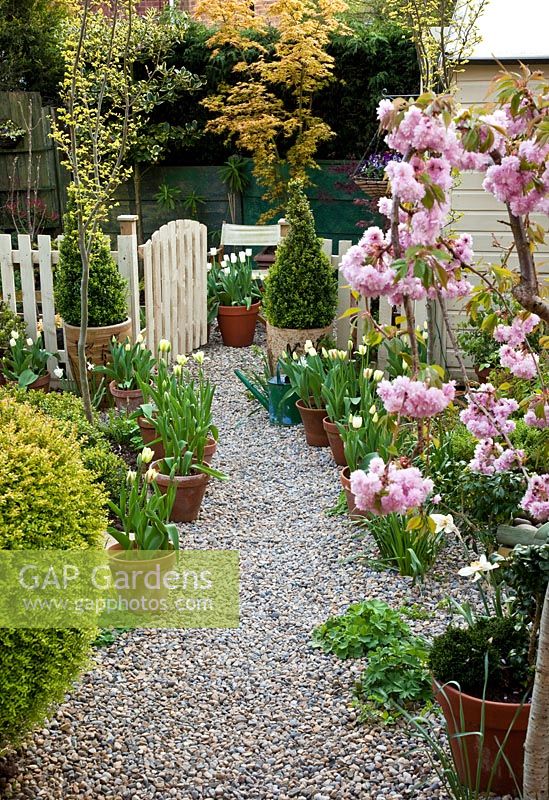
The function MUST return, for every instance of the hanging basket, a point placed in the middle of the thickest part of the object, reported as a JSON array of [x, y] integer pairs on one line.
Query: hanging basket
[[373, 188]]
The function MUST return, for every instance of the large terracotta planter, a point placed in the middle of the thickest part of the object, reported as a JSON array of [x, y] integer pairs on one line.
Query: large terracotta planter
[[189, 493], [466, 750], [97, 344], [237, 324], [127, 400], [345, 479], [312, 422], [335, 441], [283, 340]]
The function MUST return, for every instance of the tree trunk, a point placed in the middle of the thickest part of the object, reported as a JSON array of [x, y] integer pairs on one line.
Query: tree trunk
[[536, 749], [82, 360], [137, 199], [526, 292]]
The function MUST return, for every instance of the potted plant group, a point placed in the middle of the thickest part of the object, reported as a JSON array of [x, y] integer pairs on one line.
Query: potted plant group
[[300, 297], [483, 674], [107, 308], [129, 365], [144, 535], [26, 363], [10, 321], [237, 298], [307, 374]]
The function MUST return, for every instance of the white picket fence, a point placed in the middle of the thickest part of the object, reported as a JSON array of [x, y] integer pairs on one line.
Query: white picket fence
[[175, 271]]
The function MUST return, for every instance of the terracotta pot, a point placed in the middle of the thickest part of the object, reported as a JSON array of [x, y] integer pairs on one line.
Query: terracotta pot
[[133, 565], [209, 450], [283, 340], [482, 374], [345, 479], [237, 324], [148, 433], [335, 441], [41, 384], [97, 344], [126, 399], [190, 490], [312, 422], [466, 750]]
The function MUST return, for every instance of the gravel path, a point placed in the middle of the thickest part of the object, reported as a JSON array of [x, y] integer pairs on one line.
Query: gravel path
[[251, 713]]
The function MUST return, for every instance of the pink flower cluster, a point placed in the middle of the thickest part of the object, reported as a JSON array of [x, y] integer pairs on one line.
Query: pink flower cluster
[[490, 457], [415, 399], [403, 181], [536, 499], [516, 333], [388, 488], [532, 419], [521, 363], [487, 416]]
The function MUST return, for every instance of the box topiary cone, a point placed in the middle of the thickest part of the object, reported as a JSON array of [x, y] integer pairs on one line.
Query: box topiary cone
[[107, 308], [300, 297]]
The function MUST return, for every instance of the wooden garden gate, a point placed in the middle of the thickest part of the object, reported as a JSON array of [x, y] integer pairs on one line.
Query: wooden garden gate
[[175, 269]]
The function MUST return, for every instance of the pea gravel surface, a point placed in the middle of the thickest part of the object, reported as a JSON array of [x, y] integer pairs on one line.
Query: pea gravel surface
[[252, 713]]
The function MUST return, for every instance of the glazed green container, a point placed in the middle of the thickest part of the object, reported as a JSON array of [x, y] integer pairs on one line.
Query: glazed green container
[[275, 398]]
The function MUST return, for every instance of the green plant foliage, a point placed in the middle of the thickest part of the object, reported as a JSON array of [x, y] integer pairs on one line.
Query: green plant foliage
[[9, 321], [396, 676], [411, 552], [121, 429], [30, 43], [535, 443], [107, 468], [107, 288], [48, 501], [300, 289], [364, 627], [460, 655]]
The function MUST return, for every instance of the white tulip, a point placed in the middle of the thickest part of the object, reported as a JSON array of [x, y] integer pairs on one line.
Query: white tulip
[[226, 270], [12, 342], [234, 259], [213, 251], [311, 352], [368, 372], [198, 357], [131, 475], [14, 335], [181, 360], [29, 342], [151, 474], [248, 252], [177, 370], [127, 347], [139, 338], [378, 375], [307, 346], [58, 372], [372, 410], [147, 455], [356, 422], [242, 257], [375, 417], [164, 346], [362, 350]]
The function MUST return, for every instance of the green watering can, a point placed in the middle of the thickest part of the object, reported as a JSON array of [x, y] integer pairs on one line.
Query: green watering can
[[275, 398]]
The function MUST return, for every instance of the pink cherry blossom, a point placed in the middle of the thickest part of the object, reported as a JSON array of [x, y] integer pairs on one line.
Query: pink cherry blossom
[[536, 499], [516, 333], [520, 363], [403, 182], [388, 488], [487, 416], [532, 419], [490, 457], [415, 399]]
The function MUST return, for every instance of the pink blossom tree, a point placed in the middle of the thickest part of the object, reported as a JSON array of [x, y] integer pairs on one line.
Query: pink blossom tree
[[419, 258]]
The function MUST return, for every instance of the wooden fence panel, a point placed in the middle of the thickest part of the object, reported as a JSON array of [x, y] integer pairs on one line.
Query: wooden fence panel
[[6, 271], [27, 284], [47, 300]]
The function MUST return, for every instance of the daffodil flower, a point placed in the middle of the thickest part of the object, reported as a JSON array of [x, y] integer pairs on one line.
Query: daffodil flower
[[444, 523], [476, 569]]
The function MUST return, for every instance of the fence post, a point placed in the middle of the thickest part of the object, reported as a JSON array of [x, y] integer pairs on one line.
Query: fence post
[[128, 265], [284, 228]]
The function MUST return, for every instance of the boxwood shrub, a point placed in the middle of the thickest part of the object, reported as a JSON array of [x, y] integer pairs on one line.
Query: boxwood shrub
[[48, 500]]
